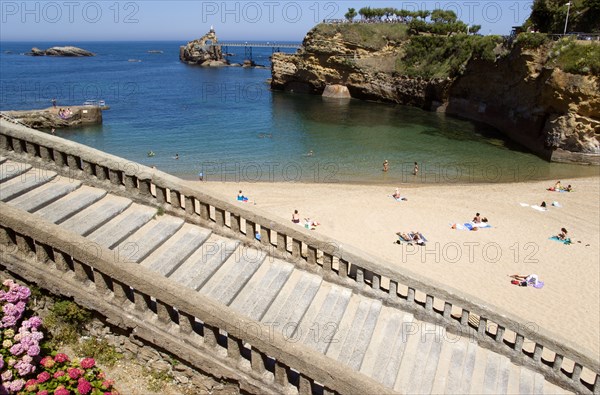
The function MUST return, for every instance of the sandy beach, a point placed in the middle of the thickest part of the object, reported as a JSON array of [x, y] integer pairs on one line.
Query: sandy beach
[[367, 217]]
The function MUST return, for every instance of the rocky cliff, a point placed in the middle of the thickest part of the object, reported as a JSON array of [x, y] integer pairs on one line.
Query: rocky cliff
[[203, 51], [60, 52], [51, 119], [553, 113]]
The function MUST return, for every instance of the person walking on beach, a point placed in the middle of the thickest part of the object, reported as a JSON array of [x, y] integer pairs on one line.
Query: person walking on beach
[[386, 165], [416, 169], [54, 102]]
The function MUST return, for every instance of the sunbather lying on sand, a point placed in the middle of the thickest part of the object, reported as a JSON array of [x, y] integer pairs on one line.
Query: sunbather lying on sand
[[412, 237], [524, 281]]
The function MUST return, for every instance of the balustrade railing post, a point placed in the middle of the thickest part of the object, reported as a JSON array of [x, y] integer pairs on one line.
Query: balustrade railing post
[[375, 283], [190, 206], [102, 283], [234, 223], [393, 292], [211, 335], [360, 275], [46, 154], [447, 310], [30, 147], [131, 183], [17, 147], [186, 323], [220, 217], [557, 364], [145, 187], [464, 317], [141, 301], [115, 177], [576, 376], [161, 195], [537, 353], [175, 199], [281, 243], [234, 347], [265, 235], [83, 272], [4, 144], [88, 168], [162, 311], [281, 376], [499, 333], [482, 326], [25, 244], [121, 293], [61, 260], [257, 361], [311, 257], [250, 230], [205, 211], [327, 262], [101, 172], [410, 295], [41, 252], [305, 385], [428, 302], [296, 249], [73, 163], [343, 268], [519, 339]]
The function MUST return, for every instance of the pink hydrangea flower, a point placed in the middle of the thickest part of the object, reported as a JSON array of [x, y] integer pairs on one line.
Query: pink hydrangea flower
[[59, 373], [42, 392], [33, 350], [84, 387], [43, 377], [88, 363], [74, 373], [31, 385], [61, 390], [61, 357], [47, 362], [17, 385]]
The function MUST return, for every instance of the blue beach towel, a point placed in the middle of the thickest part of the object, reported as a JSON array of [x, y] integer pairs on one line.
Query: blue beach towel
[[555, 238]]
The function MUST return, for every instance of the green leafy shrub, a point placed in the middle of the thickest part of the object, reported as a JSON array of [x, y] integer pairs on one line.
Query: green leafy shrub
[[532, 40], [100, 350], [576, 58]]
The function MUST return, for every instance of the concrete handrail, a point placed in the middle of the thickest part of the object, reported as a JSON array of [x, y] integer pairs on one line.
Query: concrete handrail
[[367, 271]]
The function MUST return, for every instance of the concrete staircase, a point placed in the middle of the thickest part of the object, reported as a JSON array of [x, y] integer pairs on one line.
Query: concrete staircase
[[387, 344]]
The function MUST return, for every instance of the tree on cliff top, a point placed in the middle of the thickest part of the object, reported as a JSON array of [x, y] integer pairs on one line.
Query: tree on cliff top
[[351, 14], [548, 16]]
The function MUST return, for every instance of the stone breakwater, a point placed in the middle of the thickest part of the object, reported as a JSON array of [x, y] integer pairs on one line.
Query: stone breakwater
[[553, 113], [53, 118]]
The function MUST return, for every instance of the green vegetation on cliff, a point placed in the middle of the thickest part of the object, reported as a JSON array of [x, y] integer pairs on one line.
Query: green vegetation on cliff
[[549, 16], [370, 36], [576, 58]]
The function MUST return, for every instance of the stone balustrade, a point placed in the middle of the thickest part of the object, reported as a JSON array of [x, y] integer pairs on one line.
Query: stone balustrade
[[556, 358]]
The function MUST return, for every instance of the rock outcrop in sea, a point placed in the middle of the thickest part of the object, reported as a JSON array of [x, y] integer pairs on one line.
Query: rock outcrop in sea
[[203, 51], [553, 113], [68, 51], [52, 118]]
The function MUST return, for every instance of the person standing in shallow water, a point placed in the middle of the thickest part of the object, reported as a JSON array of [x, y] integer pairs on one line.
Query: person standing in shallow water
[[416, 169], [386, 165]]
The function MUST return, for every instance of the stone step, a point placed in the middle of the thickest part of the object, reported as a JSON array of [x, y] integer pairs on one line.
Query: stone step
[[10, 169], [228, 281], [149, 237], [263, 287], [479, 370], [123, 225], [526, 381], [173, 252], [204, 262], [44, 195], [384, 354], [431, 363], [70, 204], [491, 374], [462, 363], [355, 331], [514, 379], [441, 374], [416, 345], [26, 182], [92, 217], [294, 298], [321, 321]]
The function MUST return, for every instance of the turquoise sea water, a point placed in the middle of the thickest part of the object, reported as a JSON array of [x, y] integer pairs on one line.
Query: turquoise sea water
[[229, 125]]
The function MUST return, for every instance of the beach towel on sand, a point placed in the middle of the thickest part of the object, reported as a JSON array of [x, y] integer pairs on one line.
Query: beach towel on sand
[[540, 284], [470, 225], [555, 238], [399, 199]]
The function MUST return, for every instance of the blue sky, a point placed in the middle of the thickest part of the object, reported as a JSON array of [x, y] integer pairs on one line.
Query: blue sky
[[66, 20]]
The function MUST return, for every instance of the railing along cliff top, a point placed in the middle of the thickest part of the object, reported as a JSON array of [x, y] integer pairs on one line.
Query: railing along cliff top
[[502, 330]]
